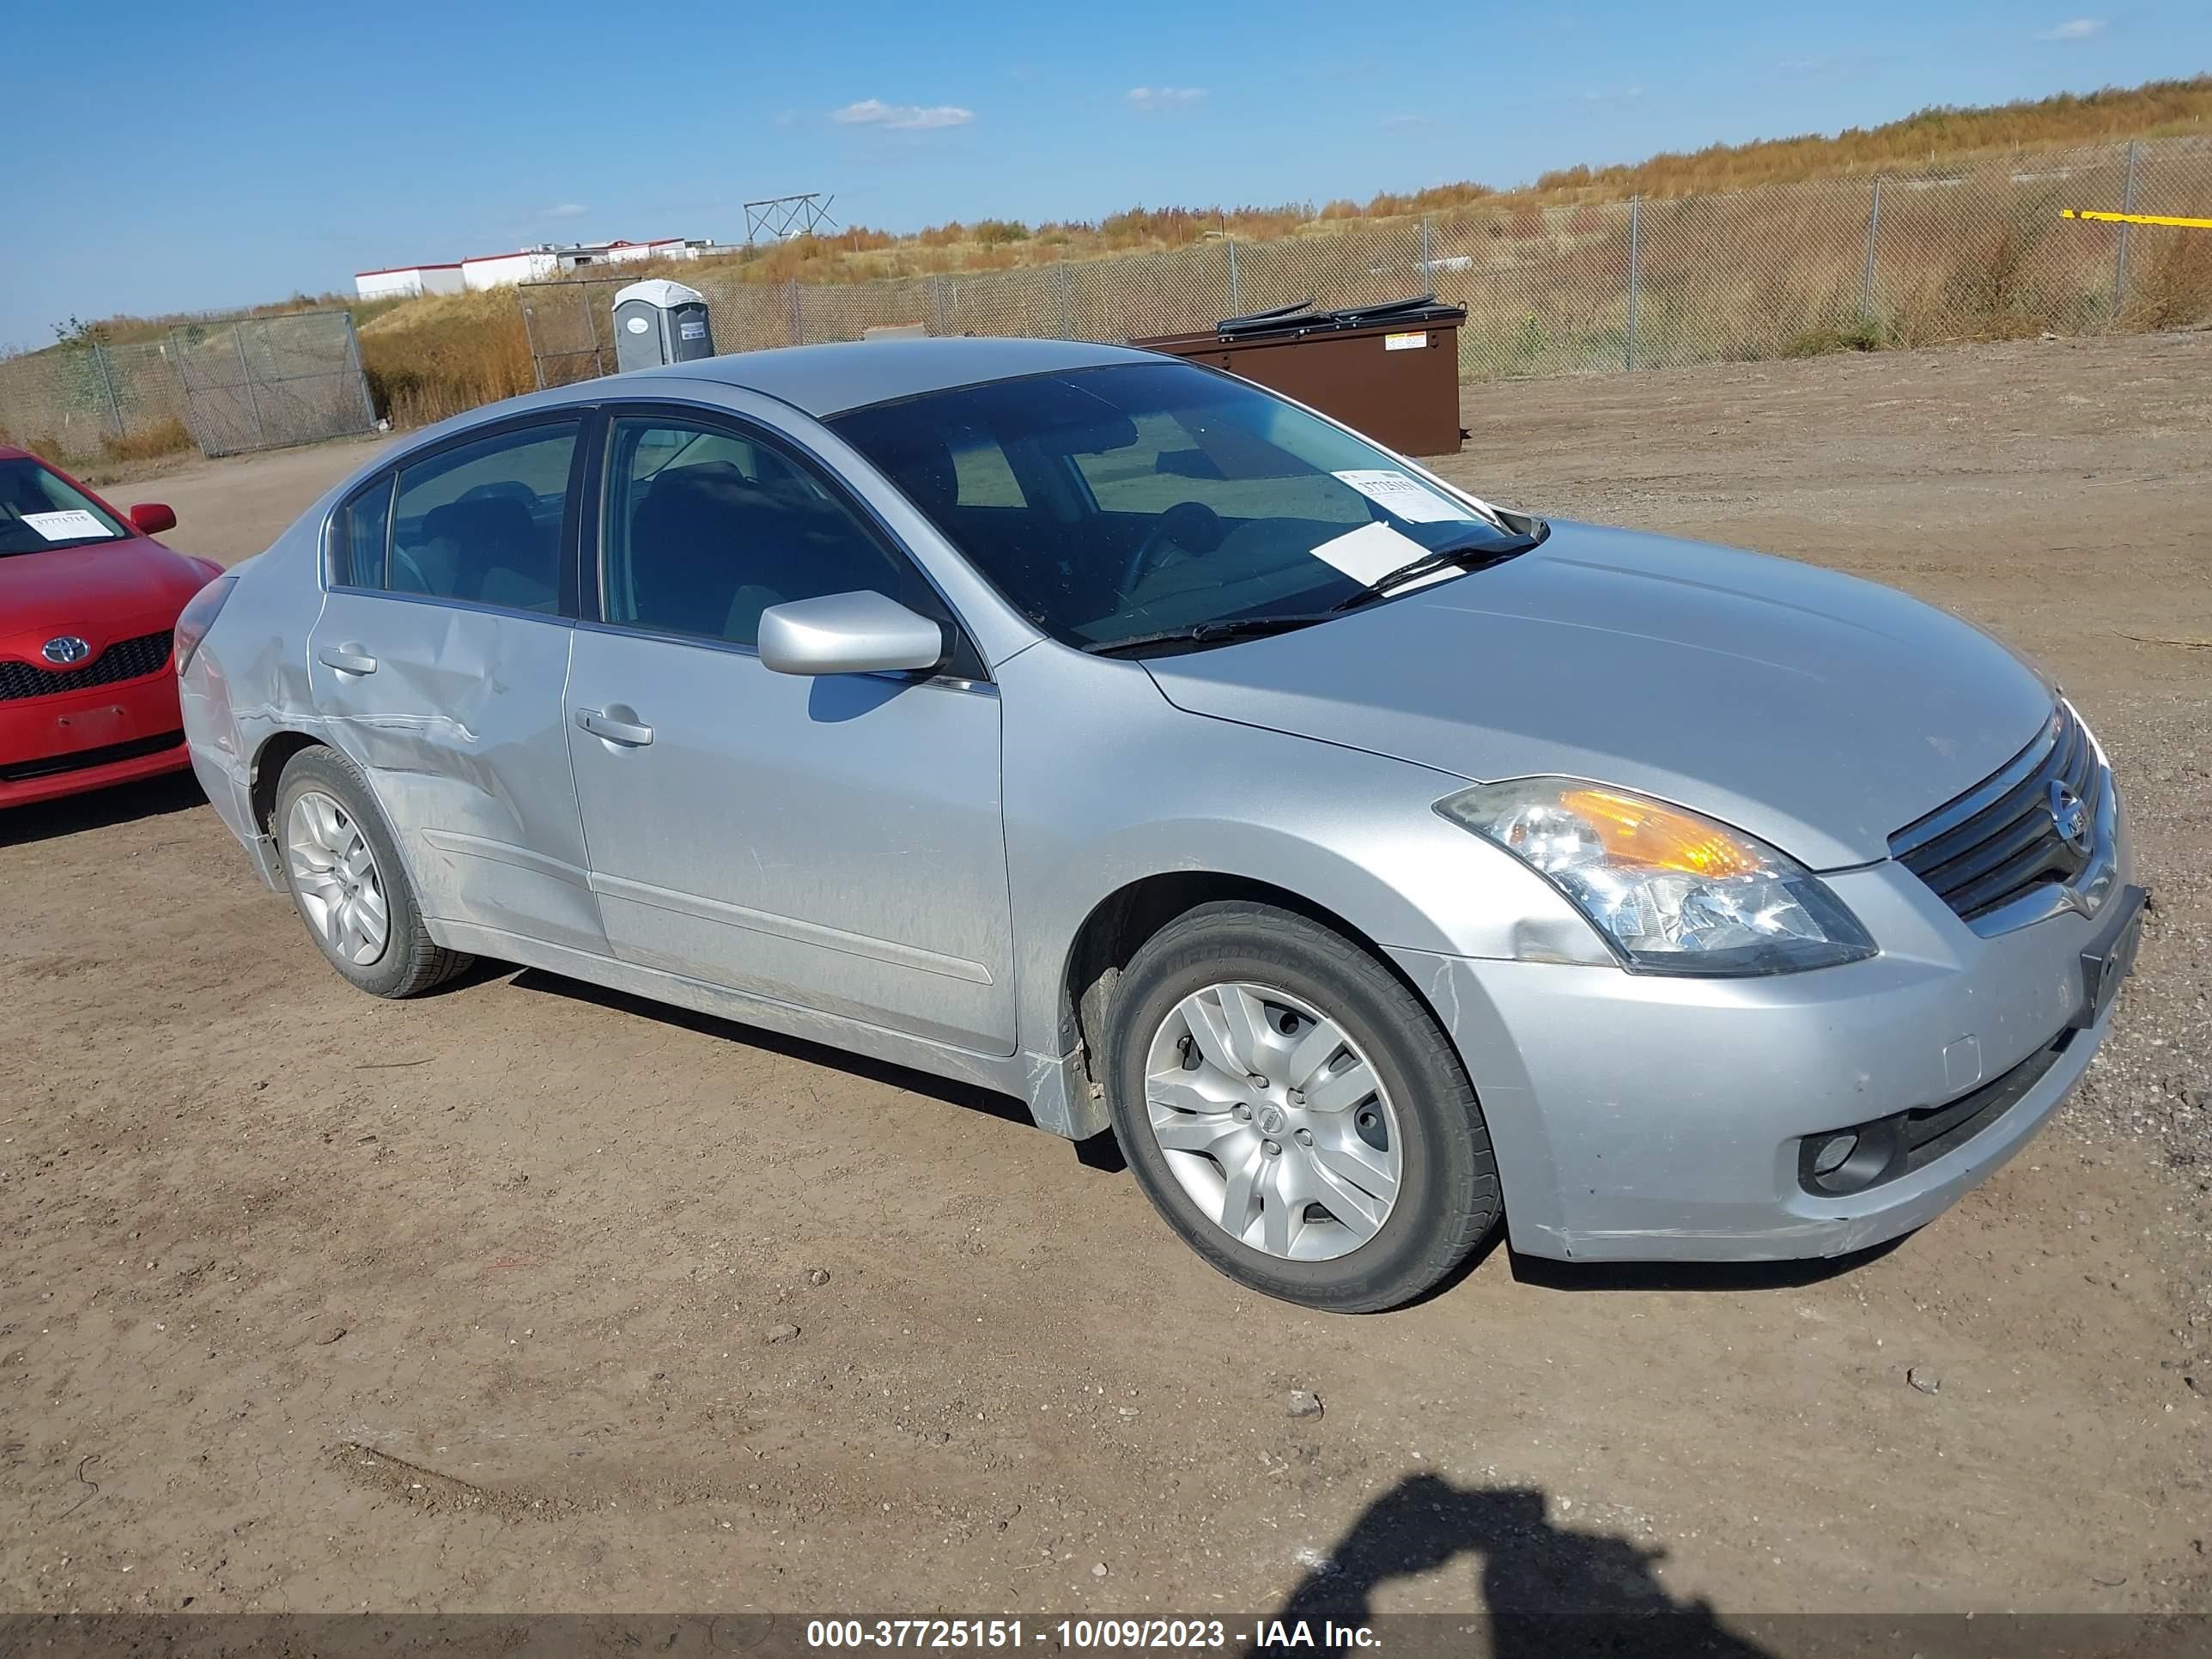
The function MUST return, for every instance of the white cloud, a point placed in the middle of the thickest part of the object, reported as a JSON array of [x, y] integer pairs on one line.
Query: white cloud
[[1402, 123], [1153, 98], [904, 118], [1624, 95], [2078, 28], [567, 211]]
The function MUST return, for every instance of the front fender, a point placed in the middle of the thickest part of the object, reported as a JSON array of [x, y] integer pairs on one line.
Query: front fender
[[1140, 789]]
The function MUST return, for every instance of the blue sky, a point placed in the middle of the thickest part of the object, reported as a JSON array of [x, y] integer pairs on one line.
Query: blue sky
[[187, 157]]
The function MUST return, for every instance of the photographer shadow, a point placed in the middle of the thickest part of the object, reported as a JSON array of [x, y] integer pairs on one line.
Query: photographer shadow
[[1544, 1590]]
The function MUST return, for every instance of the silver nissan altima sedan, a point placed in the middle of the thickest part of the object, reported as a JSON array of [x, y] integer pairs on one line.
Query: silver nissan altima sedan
[[1373, 862]]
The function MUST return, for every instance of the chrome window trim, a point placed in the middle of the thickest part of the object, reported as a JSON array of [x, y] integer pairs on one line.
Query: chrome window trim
[[558, 618]]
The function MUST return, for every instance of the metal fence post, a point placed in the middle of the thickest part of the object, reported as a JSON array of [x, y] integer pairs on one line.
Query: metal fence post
[[587, 303], [937, 305], [245, 375], [1635, 240], [107, 384], [1066, 321], [1235, 300], [2120, 258], [1866, 277], [1427, 275], [529, 338], [360, 373]]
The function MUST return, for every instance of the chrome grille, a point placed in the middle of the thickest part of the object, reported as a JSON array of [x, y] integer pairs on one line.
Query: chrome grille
[[125, 659], [2000, 839]]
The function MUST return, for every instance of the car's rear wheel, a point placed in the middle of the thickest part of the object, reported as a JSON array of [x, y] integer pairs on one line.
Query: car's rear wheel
[[347, 881], [1294, 1111]]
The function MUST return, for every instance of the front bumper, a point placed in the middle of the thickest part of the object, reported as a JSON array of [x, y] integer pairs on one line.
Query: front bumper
[[1637, 1117], [109, 734]]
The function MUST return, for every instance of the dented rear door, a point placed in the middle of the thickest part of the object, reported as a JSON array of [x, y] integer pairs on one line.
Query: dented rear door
[[450, 701]]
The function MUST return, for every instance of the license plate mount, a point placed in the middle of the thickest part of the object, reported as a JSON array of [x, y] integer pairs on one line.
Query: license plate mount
[[2112, 958]]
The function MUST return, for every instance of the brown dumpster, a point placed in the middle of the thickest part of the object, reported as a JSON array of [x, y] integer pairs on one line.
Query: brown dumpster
[[1389, 371]]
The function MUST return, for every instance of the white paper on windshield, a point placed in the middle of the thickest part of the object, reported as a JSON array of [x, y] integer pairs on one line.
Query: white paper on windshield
[[66, 526], [1370, 552], [1406, 496]]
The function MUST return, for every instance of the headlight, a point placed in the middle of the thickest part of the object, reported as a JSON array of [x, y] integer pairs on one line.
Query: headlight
[[1674, 892]]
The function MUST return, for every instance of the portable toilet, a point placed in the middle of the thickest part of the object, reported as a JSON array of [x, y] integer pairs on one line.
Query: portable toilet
[[658, 321]]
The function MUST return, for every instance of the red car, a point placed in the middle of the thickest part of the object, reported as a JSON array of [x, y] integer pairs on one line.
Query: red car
[[88, 609]]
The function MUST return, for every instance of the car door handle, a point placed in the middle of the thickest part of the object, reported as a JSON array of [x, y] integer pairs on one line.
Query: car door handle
[[600, 724], [347, 660]]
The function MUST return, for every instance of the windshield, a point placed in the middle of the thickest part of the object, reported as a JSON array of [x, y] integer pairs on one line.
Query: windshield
[[39, 510], [1113, 504]]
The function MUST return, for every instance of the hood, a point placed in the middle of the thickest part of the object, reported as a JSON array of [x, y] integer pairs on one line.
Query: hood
[[1816, 711], [101, 591]]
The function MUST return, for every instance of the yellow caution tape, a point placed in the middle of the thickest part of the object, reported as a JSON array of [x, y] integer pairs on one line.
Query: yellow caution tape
[[2136, 218]]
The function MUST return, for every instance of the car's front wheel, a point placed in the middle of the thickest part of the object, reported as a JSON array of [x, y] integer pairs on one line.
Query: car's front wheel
[[348, 882], [1294, 1111]]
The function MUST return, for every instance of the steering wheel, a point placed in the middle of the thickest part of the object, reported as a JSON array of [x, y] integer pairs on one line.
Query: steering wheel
[[1192, 526]]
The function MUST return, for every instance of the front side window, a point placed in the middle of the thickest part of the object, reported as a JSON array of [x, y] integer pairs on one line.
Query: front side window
[[480, 522], [704, 530], [1110, 504], [39, 511]]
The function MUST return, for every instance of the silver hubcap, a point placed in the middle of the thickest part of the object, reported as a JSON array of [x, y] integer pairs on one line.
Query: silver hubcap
[[335, 873], [1273, 1121]]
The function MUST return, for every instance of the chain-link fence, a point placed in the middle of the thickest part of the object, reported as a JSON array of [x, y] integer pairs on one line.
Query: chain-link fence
[[85, 403], [266, 382], [259, 383], [1977, 251]]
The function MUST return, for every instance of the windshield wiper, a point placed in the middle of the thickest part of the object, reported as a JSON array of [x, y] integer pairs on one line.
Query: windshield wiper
[[1475, 555], [1227, 627]]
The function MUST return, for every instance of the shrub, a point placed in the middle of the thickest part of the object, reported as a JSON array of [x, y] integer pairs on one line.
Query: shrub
[[167, 437], [2169, 278]]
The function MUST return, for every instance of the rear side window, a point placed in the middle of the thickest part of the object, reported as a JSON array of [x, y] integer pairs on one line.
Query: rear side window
[[480, 523], [364, 531]]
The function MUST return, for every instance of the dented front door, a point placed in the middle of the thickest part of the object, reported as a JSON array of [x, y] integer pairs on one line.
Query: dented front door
[[454, 712]]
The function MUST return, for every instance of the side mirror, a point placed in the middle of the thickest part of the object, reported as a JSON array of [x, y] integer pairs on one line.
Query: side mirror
[[848, 634], [152, 518]]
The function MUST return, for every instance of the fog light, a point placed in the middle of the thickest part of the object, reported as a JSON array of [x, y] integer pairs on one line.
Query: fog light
[[1830, 1155]]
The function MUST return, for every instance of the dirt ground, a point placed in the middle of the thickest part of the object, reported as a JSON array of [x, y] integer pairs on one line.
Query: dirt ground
[[309, 1302]]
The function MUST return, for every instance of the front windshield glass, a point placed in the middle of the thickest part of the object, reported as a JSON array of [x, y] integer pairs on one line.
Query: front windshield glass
[[1112, 504], [39, 511]]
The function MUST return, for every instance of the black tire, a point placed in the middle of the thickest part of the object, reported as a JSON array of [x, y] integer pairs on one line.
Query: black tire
[[410, 961], [1447, 1198]]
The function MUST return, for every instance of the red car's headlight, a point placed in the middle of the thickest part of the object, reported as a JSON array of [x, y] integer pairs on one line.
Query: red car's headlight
[[198, 617]]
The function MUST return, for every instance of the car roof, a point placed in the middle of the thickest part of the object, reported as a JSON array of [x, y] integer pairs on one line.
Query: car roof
[[829, 380]]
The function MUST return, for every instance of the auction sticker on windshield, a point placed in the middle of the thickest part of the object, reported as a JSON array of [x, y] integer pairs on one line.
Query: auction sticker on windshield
[[65, 527], [1406, 495], [1370, 552]]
